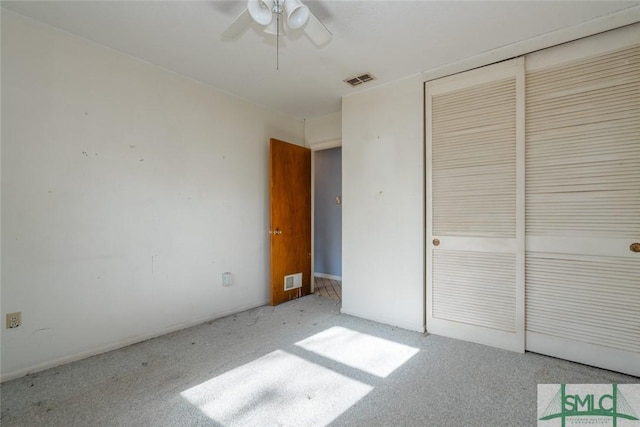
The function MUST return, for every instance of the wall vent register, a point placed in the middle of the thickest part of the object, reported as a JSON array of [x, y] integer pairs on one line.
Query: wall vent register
[[358, 80], [292, 281]]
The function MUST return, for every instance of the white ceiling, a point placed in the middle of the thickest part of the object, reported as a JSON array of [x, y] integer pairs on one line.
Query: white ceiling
[[391, 39]]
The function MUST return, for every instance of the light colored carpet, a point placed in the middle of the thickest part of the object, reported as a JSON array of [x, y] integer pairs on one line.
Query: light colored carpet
[[298, 364]]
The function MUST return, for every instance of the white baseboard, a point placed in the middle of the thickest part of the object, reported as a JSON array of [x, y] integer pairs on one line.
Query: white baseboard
[[327, 276], [120, 344], [410, 326]]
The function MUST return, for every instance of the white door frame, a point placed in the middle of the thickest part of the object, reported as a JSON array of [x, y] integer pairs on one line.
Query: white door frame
[[317, 146]]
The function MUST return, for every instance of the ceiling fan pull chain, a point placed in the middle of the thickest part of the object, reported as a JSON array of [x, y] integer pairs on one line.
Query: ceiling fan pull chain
[[277, 41]]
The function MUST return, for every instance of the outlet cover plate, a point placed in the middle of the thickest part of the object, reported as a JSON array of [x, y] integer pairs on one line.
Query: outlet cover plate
[[14, 320]]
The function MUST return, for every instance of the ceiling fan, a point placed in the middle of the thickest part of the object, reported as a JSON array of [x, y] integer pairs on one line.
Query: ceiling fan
[[297, 16]]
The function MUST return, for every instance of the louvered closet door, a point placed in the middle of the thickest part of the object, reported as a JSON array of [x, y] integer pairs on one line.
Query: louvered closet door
[[583, 201], [475, 206]]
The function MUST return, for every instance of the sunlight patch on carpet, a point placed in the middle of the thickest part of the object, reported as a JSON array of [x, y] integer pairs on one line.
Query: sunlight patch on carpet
[[370, 354], [277, 389]]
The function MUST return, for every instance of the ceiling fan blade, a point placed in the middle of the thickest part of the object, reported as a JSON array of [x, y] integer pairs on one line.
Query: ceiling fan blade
[[316, 31], [239, 26]]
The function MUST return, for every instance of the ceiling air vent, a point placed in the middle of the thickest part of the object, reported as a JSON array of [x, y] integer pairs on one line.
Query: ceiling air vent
[[358, 80]]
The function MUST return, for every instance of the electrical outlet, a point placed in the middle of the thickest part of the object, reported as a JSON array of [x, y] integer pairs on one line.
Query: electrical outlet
[[14, 319]]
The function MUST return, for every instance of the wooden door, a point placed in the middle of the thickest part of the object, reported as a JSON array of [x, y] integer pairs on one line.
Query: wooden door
[[475, 206], [290, 227]]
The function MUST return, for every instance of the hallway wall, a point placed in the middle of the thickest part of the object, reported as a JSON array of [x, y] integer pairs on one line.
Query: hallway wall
[[328, 214]]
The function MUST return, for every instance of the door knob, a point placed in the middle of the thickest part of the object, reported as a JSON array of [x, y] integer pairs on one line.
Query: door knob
[[277, 232], [436, 242], [635, 247]]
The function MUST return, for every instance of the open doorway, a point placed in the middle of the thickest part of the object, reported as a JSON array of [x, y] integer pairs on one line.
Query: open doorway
[[327, 222]]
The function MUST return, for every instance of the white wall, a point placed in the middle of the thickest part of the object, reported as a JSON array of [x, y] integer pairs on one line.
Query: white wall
[[323, 132], [383, 207], [126, 192]]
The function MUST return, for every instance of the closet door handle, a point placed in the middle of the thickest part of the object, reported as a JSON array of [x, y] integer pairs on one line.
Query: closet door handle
[[635, 247]]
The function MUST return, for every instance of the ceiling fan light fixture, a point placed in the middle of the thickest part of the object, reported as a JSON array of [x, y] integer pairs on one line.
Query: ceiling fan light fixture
[[261, 11], [293, 15], [297, 14], [272, 28]]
